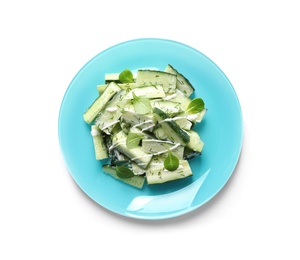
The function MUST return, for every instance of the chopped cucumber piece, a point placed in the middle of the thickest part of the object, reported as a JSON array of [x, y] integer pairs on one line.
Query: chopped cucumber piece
[[148, 91], [159, 147], [154, 77], [159, 174], [179, 97], [195, 143], [135, 181], [169, 107], [172, 130], [182, 83], [112, 112], [133, 119], [99, 145], [91, 113], [137, 170], [183, 122], [201, 115], [137, 155]]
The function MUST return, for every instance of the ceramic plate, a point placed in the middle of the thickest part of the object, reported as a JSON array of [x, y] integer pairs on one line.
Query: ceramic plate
[[221, 130]]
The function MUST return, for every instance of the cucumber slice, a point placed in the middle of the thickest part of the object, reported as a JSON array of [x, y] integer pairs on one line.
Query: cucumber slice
[[159, 147], [91, 113], [169, 107], [179, 97], [158, 174], [99, 145], [110, 115], [172, 130], [135, 181], [200, 115], [136, 154], [182, 83], [159, 133], [133, 119], [183, 122], [156, 91], [196, 144], [137, 170], [153, 77]]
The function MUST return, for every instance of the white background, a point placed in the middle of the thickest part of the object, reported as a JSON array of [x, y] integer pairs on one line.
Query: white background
[[44, 215]]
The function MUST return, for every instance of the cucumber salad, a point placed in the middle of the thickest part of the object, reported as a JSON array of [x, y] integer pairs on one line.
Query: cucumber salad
[[142, 123]]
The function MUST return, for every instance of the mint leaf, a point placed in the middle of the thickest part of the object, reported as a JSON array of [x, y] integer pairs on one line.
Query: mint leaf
[[124, 172], [171, 163], [195, 106], [133, 140], [141, 105], [126, 76]]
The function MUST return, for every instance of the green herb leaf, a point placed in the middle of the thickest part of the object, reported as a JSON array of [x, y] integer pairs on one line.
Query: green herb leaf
[[124, 172], [126, 76], [195, 106], [133, 140], [171, 163], [141, 105]]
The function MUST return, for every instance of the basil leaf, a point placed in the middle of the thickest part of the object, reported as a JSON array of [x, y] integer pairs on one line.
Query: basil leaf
[[133, 140], [141, 105], [126, 76], [124, 172], [195, 106], [171, 163]]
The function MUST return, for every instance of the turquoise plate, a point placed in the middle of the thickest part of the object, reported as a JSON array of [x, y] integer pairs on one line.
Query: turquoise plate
[[221, 131]]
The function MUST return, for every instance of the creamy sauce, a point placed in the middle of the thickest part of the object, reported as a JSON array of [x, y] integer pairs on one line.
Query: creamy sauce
[[148, 127], [111, 109], [143, 123], [192, 117], [170, 97], [188, 117], [95, 132], [123, 141], [172, 119], [158, 141]]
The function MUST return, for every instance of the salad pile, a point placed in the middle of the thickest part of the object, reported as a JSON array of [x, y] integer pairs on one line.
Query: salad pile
[[143, 123]]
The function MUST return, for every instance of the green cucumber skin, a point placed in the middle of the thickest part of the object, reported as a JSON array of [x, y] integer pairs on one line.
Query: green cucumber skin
[[183, 136]]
